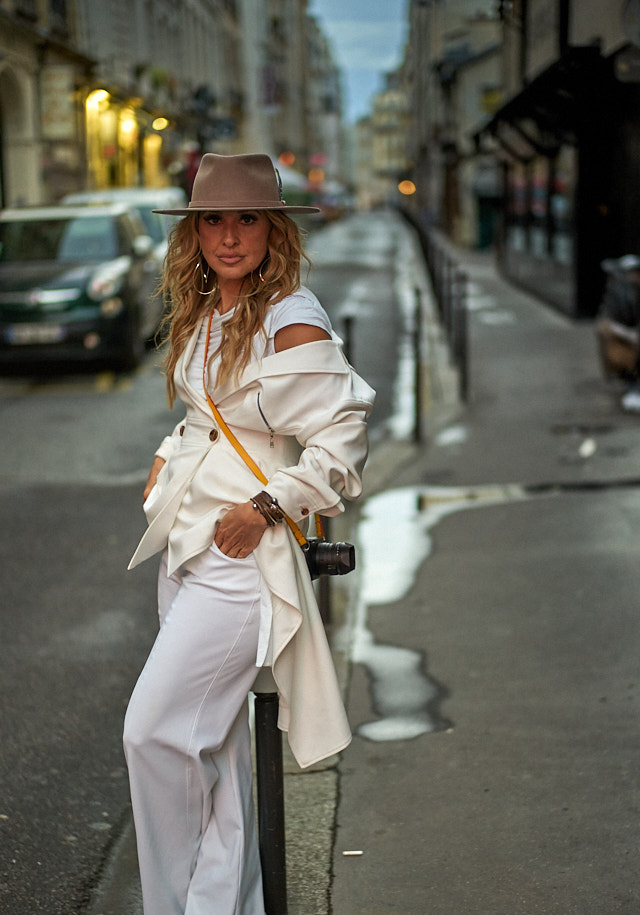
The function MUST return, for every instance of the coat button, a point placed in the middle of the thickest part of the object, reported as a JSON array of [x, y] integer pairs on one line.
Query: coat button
[[213, 435], [304, 511], [182, 428]]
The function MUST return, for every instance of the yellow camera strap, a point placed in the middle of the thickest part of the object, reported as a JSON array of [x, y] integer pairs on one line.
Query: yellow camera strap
[[246, 457]]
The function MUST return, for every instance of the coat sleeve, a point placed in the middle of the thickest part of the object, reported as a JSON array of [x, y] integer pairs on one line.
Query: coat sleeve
[[169, 443], [327, 413]]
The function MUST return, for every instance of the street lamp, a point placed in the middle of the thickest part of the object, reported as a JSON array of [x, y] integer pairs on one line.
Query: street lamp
[[407, 187]]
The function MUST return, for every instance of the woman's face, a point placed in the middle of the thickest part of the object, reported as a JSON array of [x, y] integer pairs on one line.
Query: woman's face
[[234, 243]]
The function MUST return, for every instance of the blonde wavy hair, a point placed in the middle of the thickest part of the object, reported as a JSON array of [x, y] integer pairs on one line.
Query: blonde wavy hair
[[182, 288]]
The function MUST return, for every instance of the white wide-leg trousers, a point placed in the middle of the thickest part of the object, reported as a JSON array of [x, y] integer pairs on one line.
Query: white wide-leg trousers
[[188, 746]]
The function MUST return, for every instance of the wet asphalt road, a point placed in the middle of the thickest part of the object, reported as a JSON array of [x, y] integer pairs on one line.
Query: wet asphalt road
[[76, 626]]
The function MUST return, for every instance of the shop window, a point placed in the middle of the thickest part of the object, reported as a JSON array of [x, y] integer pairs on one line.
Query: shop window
[[539, 203], [561, 206], [517, 208], [539, 238], [58, 17]]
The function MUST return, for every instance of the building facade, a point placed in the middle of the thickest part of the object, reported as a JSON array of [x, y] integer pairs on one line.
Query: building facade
[[453, 79], [381, 145], [133, 92], [326, 149], [42, 77], [366, 197]]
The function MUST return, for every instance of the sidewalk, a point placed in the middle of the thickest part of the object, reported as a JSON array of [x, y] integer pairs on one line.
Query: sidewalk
[[495, 696]]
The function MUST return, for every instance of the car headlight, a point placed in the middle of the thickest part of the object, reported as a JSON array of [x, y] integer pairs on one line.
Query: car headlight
[[107, 280], [102, 286]]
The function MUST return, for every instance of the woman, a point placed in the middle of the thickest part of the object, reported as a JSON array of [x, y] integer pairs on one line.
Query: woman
[[234, 593]]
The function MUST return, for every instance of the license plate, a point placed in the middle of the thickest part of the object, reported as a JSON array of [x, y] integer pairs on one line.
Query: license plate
[[24, 334]]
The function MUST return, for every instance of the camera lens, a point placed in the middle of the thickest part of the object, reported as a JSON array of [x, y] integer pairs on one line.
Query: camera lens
[[335, 558]]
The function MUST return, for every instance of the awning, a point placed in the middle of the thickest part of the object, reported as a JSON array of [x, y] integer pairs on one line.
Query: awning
[[552, 109]]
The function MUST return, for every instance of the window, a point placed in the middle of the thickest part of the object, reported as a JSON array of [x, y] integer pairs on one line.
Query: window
[[82, 239]]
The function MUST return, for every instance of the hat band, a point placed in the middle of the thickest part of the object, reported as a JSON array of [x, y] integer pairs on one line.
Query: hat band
[[235, 205]]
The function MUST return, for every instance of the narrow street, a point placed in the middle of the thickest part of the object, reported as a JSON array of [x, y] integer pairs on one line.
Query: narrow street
[[465, 176]]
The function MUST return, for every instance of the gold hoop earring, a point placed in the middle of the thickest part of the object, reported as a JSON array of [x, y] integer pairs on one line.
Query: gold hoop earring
[[205, 276], [263, 264]]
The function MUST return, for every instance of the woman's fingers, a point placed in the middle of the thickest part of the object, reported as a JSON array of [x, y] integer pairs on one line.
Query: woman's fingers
[[240, 531]]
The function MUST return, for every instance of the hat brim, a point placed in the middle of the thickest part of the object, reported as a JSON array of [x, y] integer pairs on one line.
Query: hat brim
[[214, 209]]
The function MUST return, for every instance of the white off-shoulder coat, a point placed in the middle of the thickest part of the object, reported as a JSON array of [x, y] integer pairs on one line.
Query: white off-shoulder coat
[[301, 415]]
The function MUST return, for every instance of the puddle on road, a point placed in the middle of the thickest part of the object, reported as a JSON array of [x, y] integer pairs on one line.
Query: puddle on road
[[394, 540]]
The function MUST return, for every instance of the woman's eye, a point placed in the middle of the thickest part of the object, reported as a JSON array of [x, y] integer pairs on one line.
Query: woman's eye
[[212, 220], [247, 219]]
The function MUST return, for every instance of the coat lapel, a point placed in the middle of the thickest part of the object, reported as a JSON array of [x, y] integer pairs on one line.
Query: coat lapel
[[183, 364]]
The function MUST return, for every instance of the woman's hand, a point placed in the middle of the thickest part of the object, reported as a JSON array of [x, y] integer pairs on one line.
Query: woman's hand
[[240, 531], [156, 467]]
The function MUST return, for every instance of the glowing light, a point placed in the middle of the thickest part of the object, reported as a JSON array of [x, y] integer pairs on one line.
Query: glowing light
[[316, 175], [97, 97], [407, 188], [287, 158], [128, 123], [160, 124]]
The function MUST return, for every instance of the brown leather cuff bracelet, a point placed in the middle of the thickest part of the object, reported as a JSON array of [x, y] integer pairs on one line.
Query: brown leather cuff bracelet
[[268, 508]]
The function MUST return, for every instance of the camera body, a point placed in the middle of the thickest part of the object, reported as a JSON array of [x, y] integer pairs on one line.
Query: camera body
[[330, 558]]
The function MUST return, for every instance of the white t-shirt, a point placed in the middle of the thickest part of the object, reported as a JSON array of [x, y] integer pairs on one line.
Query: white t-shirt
[[300, 308]]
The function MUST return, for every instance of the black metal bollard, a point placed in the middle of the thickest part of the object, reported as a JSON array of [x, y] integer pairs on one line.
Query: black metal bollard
[[460, 339], [418, 381], [437, 272], [270, 783], [448, 293]]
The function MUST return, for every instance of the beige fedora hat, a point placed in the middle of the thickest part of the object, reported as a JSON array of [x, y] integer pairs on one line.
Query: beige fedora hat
[[248, 182]]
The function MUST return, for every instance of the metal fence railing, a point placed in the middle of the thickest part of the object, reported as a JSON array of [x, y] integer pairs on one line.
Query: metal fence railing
[[449, 284]]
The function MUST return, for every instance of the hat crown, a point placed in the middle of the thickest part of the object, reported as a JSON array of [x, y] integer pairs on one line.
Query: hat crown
[[243, 182]]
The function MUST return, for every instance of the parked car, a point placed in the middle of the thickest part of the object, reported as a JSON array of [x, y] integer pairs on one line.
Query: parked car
[[76, 283], [145, 200]]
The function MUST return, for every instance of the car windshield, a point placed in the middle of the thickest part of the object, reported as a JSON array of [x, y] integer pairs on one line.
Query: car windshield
[[85, 238], [152, 223]]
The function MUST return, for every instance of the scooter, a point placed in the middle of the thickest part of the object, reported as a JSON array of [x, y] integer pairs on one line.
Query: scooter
[[618, 323]]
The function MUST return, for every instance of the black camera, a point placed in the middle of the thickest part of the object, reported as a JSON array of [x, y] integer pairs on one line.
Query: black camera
[[326, 558]]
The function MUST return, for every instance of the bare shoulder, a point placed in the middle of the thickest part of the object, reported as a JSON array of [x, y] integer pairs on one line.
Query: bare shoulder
[[297, 334]]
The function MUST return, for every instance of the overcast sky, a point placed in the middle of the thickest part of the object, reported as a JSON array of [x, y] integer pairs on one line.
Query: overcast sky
[[367, 37]]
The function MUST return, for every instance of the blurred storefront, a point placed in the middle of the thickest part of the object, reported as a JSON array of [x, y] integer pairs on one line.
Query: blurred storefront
[[555, 140], [127, 146], [568, 141]]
